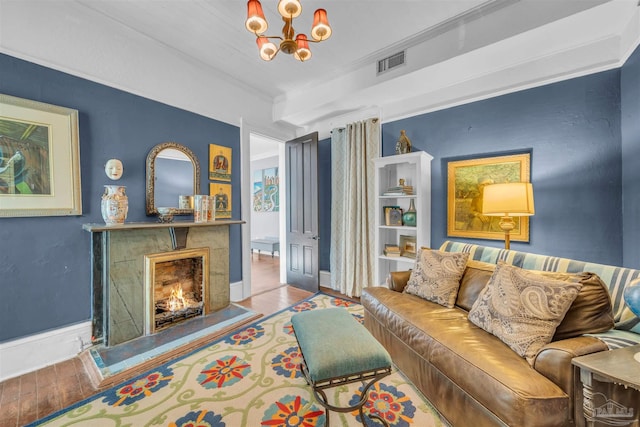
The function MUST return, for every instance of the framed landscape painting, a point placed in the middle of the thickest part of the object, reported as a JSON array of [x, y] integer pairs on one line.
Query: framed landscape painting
[[465, 185], [39, 159]]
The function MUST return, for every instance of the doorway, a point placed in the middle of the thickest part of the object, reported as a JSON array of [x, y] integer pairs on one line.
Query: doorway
[[266, 224]]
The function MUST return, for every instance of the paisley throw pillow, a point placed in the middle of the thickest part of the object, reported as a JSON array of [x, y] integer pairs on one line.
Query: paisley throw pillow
[[523, 308], [437, 276]]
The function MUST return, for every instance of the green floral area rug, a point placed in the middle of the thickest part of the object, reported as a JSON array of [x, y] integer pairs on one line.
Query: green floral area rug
[[250, 377]]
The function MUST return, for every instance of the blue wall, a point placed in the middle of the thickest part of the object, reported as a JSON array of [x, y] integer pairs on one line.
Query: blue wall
[[44, 261], [324, 203], [630, 102]]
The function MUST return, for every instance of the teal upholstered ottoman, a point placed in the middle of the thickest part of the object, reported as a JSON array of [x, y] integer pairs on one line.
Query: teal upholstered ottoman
[[338, 350]]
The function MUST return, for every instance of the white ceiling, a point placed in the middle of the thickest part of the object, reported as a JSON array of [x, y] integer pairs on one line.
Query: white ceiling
[[197, 55], [213, 33], [263, 147]]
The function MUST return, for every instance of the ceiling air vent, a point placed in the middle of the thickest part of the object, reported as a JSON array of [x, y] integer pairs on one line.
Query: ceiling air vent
[[391, 62]]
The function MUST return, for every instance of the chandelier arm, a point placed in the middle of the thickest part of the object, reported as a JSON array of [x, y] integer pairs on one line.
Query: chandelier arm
[[270, 37], [281, 38], [276, 52]]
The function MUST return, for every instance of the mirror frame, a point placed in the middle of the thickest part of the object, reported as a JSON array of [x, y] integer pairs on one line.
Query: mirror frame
[[151, 173]]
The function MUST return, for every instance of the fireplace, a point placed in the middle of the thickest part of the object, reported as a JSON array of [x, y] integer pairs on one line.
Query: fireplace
[[176, 287], [125, 257]]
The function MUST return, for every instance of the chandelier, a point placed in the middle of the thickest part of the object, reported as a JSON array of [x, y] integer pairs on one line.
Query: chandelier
[[298, 46]]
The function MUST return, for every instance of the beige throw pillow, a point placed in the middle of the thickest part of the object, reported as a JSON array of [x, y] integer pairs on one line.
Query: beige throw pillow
[[523, 308], [437, 276]]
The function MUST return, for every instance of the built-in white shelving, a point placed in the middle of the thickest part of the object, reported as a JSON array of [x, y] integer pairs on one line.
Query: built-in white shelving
[[415, 169]]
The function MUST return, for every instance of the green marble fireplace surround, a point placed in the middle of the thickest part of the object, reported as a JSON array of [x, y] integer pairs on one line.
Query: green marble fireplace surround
[[118, 271]]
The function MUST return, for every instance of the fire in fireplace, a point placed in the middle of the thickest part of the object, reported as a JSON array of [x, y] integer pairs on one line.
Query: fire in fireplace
[[176, 287]]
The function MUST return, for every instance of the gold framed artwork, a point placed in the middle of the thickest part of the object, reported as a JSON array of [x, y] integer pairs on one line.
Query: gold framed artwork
[[465, 185], [219, 162], [39, 159], [222, 193]]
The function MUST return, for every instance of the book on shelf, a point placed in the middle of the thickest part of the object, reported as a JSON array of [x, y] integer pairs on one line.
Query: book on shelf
[[391, 250], [405, 190]]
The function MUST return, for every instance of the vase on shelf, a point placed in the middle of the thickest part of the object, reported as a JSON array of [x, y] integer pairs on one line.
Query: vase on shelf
[[409, 217], [115, 204]]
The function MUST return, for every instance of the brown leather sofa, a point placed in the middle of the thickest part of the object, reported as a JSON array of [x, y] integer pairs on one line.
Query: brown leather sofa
[[471, 376]]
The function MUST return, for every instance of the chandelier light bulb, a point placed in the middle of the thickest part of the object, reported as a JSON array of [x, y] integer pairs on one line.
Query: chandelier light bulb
[[303, 52], [320, 29], [289, 8], [267, 48], [256, 22]]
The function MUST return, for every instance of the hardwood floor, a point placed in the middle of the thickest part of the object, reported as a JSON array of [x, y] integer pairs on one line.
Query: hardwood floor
[[32, 396], [265, 272]]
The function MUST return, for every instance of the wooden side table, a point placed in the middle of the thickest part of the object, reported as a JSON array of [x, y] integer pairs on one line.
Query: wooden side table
[[620, 366]]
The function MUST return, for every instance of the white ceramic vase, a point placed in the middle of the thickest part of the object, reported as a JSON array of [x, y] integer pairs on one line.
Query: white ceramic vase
[[115, 204]]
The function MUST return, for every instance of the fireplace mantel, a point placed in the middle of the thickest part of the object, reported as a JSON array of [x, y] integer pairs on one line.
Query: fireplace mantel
[[137, 225], [118, 258]]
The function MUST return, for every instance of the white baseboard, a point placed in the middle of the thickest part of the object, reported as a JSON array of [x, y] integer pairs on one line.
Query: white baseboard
[[236, 292], [38, 351], [325, 278]]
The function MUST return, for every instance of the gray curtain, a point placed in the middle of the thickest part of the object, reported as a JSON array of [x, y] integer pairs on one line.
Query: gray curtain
[[352, 201]]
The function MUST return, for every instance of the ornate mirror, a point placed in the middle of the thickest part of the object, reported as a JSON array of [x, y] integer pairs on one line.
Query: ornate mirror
[[172, 171]]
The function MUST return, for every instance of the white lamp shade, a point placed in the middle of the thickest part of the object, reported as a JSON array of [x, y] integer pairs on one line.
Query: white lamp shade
[[289, 8], [510, 199]]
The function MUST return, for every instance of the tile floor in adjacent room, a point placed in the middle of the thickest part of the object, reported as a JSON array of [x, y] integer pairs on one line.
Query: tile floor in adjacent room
[[29, 397]]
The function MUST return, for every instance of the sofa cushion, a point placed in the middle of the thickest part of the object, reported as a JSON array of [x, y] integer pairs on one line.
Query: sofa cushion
[[437, 276], [591, 312], [397, 280], [523, 308], [475, 278]]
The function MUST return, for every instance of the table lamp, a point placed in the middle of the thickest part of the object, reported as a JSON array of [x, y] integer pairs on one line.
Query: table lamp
[[507, 201]]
